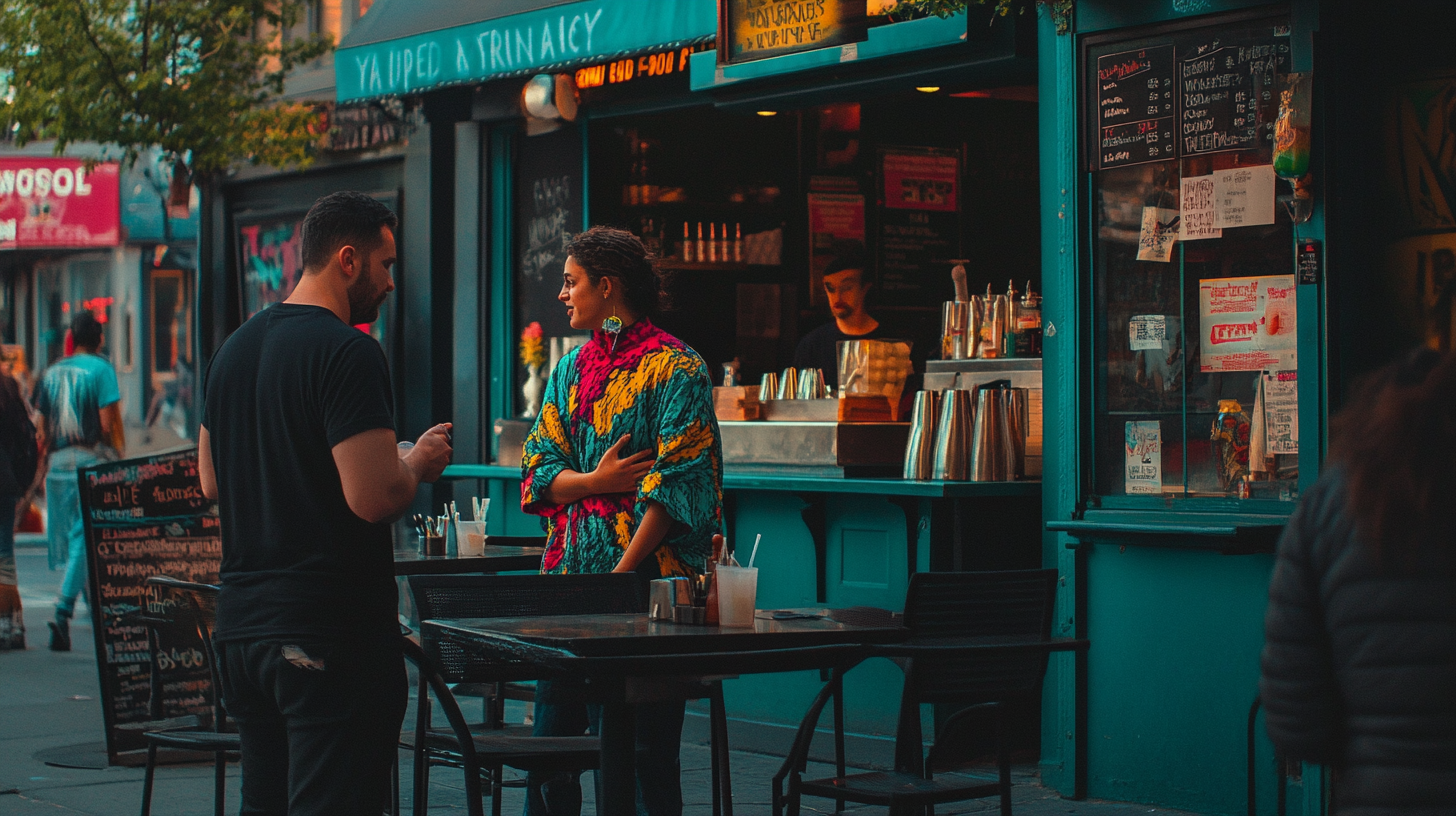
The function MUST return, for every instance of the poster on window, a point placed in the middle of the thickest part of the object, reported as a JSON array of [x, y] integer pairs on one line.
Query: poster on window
[[1247, 324], [1144, 457], [270, 255]]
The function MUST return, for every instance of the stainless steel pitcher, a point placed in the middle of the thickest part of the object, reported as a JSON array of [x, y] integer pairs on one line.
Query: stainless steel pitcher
[[953, 436], [789, 384], [769, 388], [920, 450], [998, 441]]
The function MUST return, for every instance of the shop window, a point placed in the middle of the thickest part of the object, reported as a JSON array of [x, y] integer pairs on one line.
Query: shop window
[[1194, 324], [63, 288]]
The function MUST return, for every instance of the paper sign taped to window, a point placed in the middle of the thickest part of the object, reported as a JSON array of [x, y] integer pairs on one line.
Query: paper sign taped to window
[[1196, 207], [1159, 233], [1147, 332], [1247, 324], [1281, 411], [1243, 196], [1144, 456]]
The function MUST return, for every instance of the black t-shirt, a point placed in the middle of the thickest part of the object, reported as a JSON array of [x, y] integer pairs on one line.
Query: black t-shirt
[[819, 349], [286, 387]]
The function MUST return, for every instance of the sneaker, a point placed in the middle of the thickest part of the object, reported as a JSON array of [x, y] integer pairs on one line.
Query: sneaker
[[60, 633]]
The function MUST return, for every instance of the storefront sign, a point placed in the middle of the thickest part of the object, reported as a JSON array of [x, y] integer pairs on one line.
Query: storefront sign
[[1247, 324], [1144, 457], [758, 29], [557, 38], [58, 204]]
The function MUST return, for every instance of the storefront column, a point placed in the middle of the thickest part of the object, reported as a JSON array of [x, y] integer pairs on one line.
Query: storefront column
[[1063, 739], [426, 281]]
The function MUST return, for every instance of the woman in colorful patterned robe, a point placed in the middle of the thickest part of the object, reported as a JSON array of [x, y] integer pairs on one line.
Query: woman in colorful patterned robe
[[624, 465]]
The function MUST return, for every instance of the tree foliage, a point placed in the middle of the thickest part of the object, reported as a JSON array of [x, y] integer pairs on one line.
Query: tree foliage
[[1061, 10], [199, 78]]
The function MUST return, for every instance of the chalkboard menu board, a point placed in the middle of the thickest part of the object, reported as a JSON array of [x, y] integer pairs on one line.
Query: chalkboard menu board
[[918, 221], [1206, 90], [146, 517], [548, 213], [1135, 107]]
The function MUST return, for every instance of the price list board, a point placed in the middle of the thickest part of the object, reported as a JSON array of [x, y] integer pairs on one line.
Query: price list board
[[1135, 110], [1199, 91], [146, 517]]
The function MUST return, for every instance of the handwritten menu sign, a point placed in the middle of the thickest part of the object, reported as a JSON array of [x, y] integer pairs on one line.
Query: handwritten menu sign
[[1226, 87], [1210, 90], [146, 517], [918, 215], [548, 198], [758, 29], [1135, 107]]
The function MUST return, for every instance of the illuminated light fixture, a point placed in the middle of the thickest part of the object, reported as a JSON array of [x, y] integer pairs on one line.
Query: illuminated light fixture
[[768, 113], [927, 88]]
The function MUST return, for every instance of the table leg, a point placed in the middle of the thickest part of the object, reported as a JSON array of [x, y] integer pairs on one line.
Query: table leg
[[619, 754]]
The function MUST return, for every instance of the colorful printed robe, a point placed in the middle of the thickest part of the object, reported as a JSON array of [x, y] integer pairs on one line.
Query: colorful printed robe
[[655, 388]]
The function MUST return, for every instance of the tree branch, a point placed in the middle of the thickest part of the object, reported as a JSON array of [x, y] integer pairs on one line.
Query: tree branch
[[105, 55]]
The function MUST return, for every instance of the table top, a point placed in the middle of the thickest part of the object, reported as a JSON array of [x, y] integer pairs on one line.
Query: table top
[[785, 480], [496, 558], [634, 635]]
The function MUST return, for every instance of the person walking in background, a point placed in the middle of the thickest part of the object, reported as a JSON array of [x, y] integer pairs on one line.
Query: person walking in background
[[79, 403], [625, 466], [1359, 659], [297, 444], [19, 460]]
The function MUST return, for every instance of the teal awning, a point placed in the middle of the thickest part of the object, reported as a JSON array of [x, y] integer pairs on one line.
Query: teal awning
[[408, 46]]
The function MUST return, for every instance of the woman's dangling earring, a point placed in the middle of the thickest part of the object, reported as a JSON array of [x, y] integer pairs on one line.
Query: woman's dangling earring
[[613, 327]]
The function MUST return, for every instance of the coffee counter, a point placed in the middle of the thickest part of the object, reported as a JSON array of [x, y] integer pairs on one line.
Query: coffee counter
[[836, 541]]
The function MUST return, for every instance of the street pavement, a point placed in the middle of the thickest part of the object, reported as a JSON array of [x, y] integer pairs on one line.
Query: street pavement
[[50, 704]]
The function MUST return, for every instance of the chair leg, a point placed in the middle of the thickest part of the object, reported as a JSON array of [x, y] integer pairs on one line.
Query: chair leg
[[1003, 759], [147, 779], [219, 793], [421, 782], [496, 786], [839, 769], [394, 785], [718, 735]]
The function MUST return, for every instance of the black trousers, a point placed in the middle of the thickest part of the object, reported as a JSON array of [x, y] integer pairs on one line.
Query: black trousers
[[319, 723]]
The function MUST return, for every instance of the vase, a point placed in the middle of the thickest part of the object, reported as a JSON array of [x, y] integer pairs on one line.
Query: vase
[[534, 388]]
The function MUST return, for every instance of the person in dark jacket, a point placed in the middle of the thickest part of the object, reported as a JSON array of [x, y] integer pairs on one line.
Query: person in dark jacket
[[1359, 662]]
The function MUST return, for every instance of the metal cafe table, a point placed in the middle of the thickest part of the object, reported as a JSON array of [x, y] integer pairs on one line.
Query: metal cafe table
[[501, 554], [623, 656]]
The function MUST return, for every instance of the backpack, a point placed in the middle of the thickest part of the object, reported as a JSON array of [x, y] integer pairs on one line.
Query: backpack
[[17, 434]]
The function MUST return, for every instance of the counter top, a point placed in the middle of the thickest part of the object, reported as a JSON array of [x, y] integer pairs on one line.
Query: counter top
[[797, 483]]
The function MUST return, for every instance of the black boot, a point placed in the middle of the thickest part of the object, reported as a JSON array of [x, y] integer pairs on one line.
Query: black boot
[[60, 633]]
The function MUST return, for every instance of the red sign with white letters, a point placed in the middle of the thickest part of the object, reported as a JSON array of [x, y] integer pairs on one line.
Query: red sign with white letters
[[49, 203]]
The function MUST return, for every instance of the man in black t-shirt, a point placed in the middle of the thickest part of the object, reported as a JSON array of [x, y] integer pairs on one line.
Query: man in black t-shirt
[[298, 446], [847, 289]]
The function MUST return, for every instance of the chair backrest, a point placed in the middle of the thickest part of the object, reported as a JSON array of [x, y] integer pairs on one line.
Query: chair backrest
[[1005, 604], [202, 602], [512, 596]]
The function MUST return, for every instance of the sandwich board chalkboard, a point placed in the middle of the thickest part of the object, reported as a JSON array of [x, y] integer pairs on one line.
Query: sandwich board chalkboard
[[145, 517]]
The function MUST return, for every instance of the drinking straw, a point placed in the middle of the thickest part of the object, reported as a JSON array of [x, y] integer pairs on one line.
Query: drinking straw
[[754, 554]]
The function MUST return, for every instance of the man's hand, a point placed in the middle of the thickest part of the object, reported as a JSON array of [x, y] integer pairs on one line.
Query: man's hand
[[618, 474], [431, 453]]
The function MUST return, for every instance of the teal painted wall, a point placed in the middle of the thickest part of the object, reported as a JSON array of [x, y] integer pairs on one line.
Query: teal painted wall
[[1173, 669]]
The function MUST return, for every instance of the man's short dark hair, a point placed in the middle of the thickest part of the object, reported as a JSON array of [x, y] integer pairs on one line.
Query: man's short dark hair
[[85, 330], [846, 265], [341, 219]]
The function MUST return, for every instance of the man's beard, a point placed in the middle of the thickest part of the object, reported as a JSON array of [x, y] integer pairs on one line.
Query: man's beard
[[363, 303]]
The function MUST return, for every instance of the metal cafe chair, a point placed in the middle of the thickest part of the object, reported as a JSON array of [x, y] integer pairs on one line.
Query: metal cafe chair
[[220, 742], [496, 745], [980, 641]]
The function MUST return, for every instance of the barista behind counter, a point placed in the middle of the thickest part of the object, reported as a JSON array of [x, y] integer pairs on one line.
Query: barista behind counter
[[846, 286]]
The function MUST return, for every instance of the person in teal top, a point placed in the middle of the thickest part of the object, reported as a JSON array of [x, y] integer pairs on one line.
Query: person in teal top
[[79, 403]]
